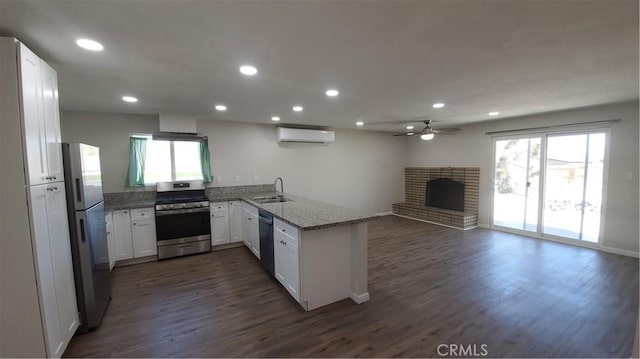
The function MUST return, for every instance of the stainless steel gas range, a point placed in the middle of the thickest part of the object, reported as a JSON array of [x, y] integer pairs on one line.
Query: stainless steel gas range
[[183, 224]]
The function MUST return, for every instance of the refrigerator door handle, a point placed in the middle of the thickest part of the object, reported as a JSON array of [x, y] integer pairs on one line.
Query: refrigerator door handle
[[78, 191], [83, 236]]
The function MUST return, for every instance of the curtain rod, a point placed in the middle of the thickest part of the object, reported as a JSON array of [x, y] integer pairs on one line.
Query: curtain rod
[[553, 126]]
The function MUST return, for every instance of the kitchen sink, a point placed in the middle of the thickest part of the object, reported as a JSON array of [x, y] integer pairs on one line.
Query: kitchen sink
[[270, 199]]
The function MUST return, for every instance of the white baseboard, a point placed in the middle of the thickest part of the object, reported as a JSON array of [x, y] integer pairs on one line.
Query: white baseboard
[[437, 224], [359, 298], [388, 213], [622, 252], [571, 242]]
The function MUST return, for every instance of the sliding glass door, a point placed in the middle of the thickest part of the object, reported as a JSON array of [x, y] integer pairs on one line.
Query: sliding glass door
[[573, 186], [517, 183], [550, 184]]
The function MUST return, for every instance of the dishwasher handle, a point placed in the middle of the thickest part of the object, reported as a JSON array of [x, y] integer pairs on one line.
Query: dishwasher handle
[[268, 219]]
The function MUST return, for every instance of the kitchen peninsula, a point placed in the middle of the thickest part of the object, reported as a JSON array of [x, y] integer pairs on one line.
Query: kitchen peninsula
[[320, 250]]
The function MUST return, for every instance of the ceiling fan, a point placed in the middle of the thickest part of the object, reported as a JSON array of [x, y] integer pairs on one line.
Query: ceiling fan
[[429, 133]]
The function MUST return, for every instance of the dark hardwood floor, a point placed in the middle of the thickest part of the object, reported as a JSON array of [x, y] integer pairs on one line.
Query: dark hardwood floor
[[429, 285]]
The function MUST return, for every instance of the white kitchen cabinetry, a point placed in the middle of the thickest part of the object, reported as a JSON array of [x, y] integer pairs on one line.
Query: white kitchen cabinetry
[[286, 257], [219, 223], [111, 244], [41, 119], [122, 234], [251, 228], [143, 232], [235, 221], [56, 288], [39, 287], [134, 233]]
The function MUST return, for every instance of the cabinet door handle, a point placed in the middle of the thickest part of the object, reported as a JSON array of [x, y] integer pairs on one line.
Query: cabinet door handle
[[284, 230], [54, 177], [50, 189]]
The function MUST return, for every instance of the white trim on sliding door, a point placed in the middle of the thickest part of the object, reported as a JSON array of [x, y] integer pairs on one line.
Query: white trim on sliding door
[[520, 136]]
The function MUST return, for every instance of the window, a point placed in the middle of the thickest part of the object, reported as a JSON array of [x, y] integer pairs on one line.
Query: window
[[171, 161]]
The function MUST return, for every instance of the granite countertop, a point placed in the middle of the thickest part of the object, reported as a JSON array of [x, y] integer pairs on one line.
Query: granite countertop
[[129, 205], [307, 214], [304, 213]]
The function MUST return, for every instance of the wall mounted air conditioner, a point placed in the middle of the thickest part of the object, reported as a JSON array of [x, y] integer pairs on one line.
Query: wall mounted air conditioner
[[302, 135]]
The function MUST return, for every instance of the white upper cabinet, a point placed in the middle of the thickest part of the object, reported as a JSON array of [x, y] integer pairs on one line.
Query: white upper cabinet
[[41, 119], [30, 89], [51, 115]]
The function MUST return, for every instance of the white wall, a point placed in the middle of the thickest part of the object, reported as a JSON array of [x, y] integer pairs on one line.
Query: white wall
[[361, 170], [472, 148], [110, 132]]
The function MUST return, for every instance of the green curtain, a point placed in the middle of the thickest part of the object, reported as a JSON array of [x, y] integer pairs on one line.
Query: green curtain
[[137, 156], [205, 163]]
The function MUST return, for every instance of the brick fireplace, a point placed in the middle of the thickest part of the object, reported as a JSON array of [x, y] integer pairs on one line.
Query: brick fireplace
[[415, 184]]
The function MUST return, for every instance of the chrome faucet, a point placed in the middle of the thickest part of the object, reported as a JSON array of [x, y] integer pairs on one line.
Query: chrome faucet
[[275, 184]]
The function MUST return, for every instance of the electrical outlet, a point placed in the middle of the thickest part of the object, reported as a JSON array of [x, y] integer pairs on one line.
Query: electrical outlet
[[219, 179], [237, 179], [256, 178]]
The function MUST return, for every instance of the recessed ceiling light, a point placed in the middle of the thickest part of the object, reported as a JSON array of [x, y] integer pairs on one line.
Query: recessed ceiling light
[[409, 127], [275, 118], [297, 108], [248, 70], [129, 99], [438, 105], [494, 113], [332, 92], [359, 123], [90, 45], [221, 107]]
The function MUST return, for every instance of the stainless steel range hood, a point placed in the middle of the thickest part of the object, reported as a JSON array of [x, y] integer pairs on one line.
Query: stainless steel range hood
[[177, 127], [177, 136]]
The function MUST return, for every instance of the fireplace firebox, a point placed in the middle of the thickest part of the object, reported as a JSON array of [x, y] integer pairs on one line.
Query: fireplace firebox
[[445, 193]]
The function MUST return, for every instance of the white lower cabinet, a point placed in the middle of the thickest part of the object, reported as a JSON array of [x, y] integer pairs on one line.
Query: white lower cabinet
[[134, 233], [52, 250], [286, 257], [251, 228], [219, 223], [122, 234], [111, 244], [143, 232], [235, 221]]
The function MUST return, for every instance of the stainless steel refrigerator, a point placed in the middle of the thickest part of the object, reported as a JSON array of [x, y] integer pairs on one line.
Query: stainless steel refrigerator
[[87, 229]]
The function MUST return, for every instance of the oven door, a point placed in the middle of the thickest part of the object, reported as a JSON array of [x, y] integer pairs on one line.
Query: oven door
[[183, 225]]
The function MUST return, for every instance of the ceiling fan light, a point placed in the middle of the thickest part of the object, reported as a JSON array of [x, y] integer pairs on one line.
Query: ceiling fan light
[[427, 136]]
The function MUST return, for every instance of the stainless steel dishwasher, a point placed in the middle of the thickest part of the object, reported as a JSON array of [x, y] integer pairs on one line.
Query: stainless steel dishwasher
[[266, 241]]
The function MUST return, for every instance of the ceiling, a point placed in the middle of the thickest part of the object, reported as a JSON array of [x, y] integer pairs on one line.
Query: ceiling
[[390, 60]]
